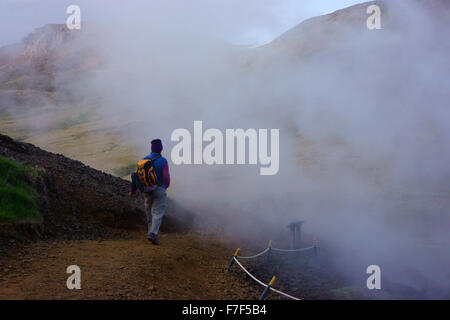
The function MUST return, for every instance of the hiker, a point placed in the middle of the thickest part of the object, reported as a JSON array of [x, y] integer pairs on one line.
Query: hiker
[[152, 178]]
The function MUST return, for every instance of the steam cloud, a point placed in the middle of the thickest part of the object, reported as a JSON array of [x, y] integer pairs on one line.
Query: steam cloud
[[363, 118]]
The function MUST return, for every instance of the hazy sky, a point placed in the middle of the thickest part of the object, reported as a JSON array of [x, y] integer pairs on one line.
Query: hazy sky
[[243, 22]]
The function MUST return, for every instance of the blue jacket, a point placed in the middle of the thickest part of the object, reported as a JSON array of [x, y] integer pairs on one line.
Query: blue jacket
[[161, 168]]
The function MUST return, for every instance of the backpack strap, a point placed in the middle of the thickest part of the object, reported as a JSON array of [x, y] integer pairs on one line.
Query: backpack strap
[[153, 160], [157, 157], [135, 181]]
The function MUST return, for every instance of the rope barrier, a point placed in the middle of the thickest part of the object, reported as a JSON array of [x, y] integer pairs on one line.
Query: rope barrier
[[276, 249], [294, 250], [284, 294], [251, 276], [269, 287], [255, 256], [262, 283]]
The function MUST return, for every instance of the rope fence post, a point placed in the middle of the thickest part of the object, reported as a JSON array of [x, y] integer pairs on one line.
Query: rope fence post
[[232, 259], [269, 247], [268, 250], [267, 289], [269, 286]]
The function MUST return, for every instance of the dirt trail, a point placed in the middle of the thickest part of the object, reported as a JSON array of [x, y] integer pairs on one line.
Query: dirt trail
[[184, 266]]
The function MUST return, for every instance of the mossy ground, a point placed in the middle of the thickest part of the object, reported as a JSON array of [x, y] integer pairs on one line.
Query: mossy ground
[[17, 193]]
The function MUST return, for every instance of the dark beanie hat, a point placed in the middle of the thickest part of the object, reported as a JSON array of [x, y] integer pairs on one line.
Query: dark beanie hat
[[157, 145]]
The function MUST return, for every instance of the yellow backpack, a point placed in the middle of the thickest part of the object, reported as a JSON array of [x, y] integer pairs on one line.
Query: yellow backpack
[[146, 173]]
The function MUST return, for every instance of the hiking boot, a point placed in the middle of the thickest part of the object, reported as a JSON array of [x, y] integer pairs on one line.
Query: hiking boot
[[153, 238]]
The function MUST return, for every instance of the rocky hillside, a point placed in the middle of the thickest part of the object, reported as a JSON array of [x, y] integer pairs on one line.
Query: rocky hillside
[[347, 28], [45, 57], [77, 201]]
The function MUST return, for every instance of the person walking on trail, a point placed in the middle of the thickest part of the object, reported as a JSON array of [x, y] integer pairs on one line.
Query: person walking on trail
[[152, 178]]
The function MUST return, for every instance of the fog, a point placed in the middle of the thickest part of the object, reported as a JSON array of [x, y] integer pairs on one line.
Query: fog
[[363, 118]]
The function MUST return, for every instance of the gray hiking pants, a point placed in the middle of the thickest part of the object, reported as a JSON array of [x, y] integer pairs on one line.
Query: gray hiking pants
[[155, 207]]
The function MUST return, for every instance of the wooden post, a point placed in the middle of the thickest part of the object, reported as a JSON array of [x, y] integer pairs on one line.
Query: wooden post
[[232, 259], [267, 289], [295, 233]]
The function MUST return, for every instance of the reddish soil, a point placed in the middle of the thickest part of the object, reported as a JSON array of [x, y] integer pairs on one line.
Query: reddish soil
[[184, 266]]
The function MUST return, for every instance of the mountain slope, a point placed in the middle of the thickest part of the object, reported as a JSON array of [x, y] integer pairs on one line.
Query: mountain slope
[[46, 59], [346, 27]]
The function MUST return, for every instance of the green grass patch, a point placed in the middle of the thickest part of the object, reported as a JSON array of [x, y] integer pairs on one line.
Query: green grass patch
[[17, 193]]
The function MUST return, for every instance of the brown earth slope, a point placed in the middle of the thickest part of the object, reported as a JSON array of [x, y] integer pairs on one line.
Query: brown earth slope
[[77, 201], [184, 266]]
